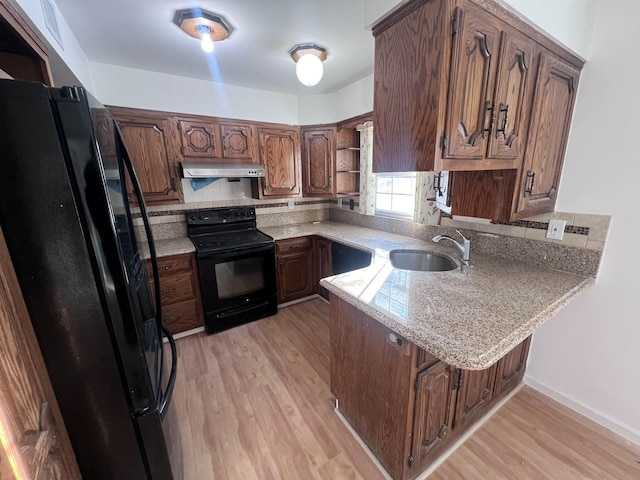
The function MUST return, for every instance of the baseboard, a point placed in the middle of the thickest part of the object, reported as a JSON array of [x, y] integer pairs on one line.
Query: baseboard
[[193, 331], [619, 428], [300, 300]]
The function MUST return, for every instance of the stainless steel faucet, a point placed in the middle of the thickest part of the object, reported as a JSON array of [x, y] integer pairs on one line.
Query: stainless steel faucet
[[463, 248]]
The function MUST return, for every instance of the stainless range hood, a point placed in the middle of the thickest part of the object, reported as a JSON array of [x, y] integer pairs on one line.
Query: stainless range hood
[[218, 170]]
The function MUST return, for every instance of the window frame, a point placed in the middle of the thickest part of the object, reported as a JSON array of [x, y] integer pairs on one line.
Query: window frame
[[391, 213]]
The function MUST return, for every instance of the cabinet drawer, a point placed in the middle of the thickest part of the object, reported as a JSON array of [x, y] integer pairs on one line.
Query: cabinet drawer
[[293, 245], [182, 316], [176, 263], [177, 288]]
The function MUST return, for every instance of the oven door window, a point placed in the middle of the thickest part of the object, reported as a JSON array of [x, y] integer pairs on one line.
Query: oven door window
[[239, 277]]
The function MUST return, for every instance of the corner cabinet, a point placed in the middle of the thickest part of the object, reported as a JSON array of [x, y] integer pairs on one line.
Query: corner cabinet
[[280, 157], [318, 161], [421, 405], [151, 143]]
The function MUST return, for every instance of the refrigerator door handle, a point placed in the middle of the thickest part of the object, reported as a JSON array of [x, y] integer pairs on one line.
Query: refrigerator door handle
[[154, 262], [168, 393]]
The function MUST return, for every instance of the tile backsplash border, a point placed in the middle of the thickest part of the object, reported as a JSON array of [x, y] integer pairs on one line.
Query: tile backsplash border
[[580, 261], [579, 252]]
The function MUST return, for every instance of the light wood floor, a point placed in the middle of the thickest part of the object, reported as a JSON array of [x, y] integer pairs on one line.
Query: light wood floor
[[254, 403]]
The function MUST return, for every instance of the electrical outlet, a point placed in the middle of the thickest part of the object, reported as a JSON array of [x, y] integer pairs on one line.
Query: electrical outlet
[[339, 203], [291, 203], [556, 229]]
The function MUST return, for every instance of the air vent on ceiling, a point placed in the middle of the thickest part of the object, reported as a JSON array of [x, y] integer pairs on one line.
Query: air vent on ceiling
[[51, 21]]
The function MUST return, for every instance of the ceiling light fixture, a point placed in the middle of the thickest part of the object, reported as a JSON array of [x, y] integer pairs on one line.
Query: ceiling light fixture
[[309, 58], [205, 26]]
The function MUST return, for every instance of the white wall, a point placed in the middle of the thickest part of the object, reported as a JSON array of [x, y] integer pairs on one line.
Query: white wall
[[589, 355], [130, 87], [353, 100], [72, 53], [569, 21]]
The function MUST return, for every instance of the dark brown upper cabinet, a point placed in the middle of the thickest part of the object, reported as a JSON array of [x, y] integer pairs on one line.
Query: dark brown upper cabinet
[[199, 139], [557, 83], [208, 140], [489, 91], [467, 86], [238, 142], [150, 141], [280, 157], [318, 161]]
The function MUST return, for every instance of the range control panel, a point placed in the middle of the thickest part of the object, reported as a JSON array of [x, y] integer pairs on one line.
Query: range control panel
[[218, 216]]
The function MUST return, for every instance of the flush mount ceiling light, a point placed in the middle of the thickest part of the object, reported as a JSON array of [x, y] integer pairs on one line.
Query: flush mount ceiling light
[[309, 58], [205, 26]]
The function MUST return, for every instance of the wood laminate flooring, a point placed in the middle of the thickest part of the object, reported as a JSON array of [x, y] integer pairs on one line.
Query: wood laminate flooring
[[254, 403]]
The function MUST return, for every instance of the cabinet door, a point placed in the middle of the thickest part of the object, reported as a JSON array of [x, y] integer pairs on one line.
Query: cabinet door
[[238, 142], [280, 156], [471, 85], [431, 418], [323, 263], [476, 390], [318, 162], [512, 96], [199, 139], [510, 368], [295, 276], [148, 141], [553, 101]]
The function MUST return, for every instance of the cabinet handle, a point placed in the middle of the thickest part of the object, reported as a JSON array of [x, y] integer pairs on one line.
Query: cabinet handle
[[166, 267], [437, 179], [168, 290], [528, 189], [173, 319], [295, 246], [489, 117], [503, 112], [174, 184]]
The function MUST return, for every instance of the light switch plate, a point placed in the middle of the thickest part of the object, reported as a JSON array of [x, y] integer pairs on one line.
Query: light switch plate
[[556, 229], [291, 203], [339, 203]]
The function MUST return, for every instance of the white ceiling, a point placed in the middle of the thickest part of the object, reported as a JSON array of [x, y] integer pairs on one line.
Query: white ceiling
[[140, 34]]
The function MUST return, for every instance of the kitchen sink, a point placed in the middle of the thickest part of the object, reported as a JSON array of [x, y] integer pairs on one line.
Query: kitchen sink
[[421, 260]]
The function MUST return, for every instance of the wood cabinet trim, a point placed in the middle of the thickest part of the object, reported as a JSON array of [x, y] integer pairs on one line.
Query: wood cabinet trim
[[508, 15]]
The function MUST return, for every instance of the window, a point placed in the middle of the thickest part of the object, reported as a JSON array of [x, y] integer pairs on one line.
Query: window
[[395, 194]]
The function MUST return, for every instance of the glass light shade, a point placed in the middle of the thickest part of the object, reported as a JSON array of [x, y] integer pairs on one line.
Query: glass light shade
[[207, 43], [309, 70]]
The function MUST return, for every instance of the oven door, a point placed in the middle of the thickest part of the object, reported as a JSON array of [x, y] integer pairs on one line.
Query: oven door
[[239, 283]]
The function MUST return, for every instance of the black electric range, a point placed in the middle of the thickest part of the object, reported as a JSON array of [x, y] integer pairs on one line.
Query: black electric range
[[236, 266]]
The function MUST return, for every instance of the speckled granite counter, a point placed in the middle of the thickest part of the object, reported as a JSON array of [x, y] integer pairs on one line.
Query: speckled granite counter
[[170, 246], [467, 320]]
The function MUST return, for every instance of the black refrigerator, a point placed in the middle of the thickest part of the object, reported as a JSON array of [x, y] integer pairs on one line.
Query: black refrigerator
[[69, 198]]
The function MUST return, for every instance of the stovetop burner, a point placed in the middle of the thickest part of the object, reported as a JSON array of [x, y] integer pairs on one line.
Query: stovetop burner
[[224, 229]]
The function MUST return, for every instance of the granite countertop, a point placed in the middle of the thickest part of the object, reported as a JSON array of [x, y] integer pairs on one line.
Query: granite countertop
[[170, 246], [469, 320]]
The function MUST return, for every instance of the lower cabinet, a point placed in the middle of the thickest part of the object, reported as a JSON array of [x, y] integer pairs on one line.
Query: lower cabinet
[[405, 404], [434, 388], [179, 292], [294, 258], [475, 392], [323, 263]]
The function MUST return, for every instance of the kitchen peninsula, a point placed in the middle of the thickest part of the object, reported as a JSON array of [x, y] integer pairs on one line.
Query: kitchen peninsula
[[418, 357]]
